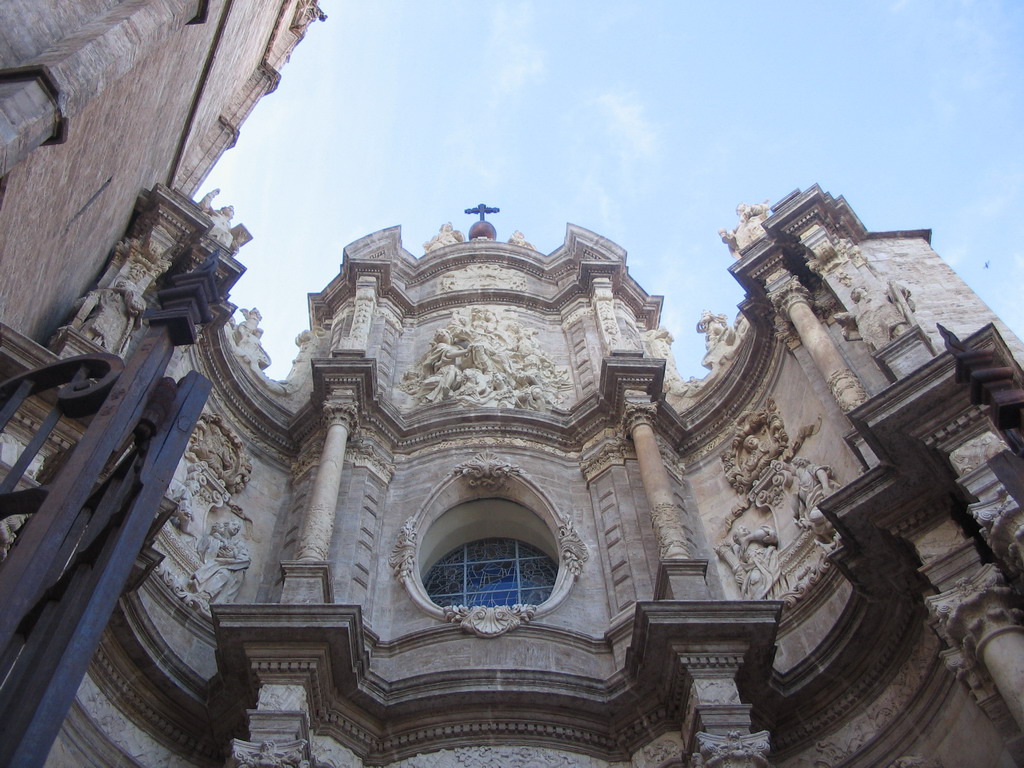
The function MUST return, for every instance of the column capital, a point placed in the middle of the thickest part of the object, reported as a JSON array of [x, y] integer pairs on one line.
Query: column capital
[[734, 750], [975, 610], [785, 291], [343, 413], [636, 413]]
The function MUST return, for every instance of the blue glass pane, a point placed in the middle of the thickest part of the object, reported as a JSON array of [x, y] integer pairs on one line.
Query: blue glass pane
[[492, 572]]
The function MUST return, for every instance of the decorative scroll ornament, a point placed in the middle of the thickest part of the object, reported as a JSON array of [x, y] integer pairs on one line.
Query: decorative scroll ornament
[[269, 754], [574, 552], [489, 621], [487, 470], [403, 557], [734, 750], [485, 359]]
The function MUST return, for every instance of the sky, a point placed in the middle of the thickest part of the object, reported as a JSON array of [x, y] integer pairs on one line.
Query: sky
[[645, 122]]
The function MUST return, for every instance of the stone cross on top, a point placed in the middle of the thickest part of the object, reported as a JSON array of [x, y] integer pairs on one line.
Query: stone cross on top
[[482, 228], [482, 209]]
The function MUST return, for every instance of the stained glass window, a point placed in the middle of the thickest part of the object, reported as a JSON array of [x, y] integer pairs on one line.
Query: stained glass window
[[492, 572]]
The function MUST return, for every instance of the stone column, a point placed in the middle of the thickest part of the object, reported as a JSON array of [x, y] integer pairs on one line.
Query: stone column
[[307, 579], [666, 514], [318, 522], [793, 301], [980, 618]]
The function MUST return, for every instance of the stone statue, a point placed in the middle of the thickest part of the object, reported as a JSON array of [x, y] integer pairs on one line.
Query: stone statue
[[447, 235], [722, 341], [753, 557], [813, 483], [108, 316], [749, 228], [9, 527], [226, 559], [518, 238], [245, 338], [876, 318]]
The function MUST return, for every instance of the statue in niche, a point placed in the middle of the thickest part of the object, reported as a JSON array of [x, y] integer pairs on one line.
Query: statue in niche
[[225, 560], [875, 319], [753, 557], [109, 316], [245, 338], [446, 235], [483, 359], [749, 228]]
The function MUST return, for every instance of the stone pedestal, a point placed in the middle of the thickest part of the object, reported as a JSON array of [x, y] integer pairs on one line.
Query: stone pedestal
[[306, 582]]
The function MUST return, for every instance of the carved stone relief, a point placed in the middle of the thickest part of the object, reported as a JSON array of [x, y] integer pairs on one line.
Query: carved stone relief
[[486, 359], [779, 550], [269, 754], [506, 757], [572, 549], [489, 621], [206, 541], [487, 470], [734, 750], [483, 277], [446, 235], [402, 560]]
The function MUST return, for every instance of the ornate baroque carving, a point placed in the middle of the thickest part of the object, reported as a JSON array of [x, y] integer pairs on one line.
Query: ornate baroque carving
[[483, 277], [489, 621], [269, 754], [749, 229], [735, 750], [403, 557], [485, 359], [574, 552], [487, 470]]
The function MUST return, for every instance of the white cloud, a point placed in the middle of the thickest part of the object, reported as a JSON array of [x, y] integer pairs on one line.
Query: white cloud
[[627, 125]]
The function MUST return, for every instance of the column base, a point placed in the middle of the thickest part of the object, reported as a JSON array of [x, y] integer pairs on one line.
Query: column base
[[682, 580], [307, 582]]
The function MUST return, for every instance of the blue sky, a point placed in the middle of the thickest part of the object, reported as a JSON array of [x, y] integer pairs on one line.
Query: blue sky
[[646, 122]]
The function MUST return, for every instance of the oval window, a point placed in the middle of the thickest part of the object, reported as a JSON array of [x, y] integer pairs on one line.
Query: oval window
[[492, 572]]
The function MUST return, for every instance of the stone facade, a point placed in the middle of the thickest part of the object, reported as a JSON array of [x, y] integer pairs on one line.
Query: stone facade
[[808, 558]]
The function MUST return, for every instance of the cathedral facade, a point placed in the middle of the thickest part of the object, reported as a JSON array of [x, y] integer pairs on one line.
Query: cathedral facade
[[484, 521]]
